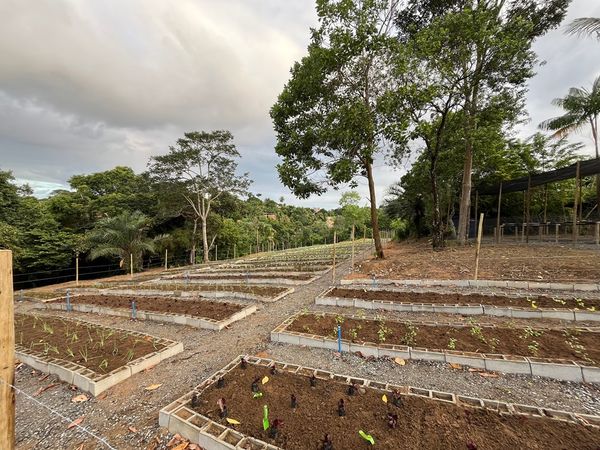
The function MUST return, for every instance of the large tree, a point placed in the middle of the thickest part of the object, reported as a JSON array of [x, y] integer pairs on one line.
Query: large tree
[[329, 119], [582, 108], [201, 168], [493, 39]]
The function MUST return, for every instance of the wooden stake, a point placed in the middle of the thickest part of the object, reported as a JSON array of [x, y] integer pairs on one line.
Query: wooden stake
[[597, 233], [479, 231], [77, 269], [576, 203], [352, 265], [216, 252], [498, 238], [166, 258], [333, 269], [7, 355], [556, 227], [131, 264]]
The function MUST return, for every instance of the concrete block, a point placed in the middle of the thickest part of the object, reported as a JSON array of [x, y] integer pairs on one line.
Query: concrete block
[[287, 338], [526, 313], [539, 285], [587, 287], [591, 374], [561, 286], [567, 372], [64, 374], [326, 301], [395, 351], [471, 361], [420, 307], [427, 355], [564, 314], [366, 350], [518, 284], [587, 315], [99, 386], [503, 311], [507, 366]]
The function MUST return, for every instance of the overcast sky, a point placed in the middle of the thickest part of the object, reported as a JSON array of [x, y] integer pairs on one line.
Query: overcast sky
[[88, 85]]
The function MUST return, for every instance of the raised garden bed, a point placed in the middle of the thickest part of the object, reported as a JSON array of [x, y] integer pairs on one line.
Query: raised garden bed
[[421, 418], [535, 306], [292, 269], [568, 354], [199, 313], [248, 279], [90, 356], [238, 291]]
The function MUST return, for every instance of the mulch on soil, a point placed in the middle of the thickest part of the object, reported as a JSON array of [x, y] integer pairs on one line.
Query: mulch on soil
[[569, 343], [549, 263], [539, 301], [198, 308], [99, 349], [421, 423]]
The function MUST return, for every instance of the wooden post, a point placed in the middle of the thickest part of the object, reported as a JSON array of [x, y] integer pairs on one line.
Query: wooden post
[[476, 208], [528, 206], [7, 353], [576, 203], [333, 269], [131, 264], [479, 232], [597, 233], [77, 269], [498, 216], [352, 264], [216, 252], [234, 251], [166, 258], [556, 226]]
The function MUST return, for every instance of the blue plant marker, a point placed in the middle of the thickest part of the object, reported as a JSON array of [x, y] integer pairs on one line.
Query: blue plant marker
[[339, 339], [374, 281], [69, 307], [133, 310]]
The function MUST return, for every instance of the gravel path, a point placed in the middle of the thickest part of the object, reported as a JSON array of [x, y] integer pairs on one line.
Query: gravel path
[[128, 414]]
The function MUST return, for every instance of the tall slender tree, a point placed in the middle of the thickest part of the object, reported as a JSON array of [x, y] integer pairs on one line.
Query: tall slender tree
[[201, 167], [329, 121]]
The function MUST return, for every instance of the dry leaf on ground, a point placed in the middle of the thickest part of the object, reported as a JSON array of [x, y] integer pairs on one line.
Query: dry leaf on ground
[[133, 429], [455, 366], [181, 446], [153, 387], [399, 361], [489, 375], [80, 398], [75, 423]]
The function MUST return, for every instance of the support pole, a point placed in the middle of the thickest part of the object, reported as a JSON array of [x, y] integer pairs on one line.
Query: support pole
[[352, 264], [131, 264], [498, 238], [476, 208], [597, 233], [556, 227], [333, 269], [216, 252], [166, 258], [576, 202], [234, 251], [77, 269], [7, 353], [479, 232], [528, 206]]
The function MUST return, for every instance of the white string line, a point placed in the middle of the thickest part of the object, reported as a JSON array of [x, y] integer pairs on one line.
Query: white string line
[[65, 418]]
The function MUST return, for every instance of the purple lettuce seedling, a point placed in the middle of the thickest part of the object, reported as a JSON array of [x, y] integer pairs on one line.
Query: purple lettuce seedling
[[294, 402], [341, 408], [274, 430], [222, 408], [327, 443], [392, 420]]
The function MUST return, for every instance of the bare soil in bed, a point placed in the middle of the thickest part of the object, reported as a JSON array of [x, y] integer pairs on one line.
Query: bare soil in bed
[[421, 423], [535, 262], [99, 349], [264, 291], [469, 299], [198, 308], [569, 343]]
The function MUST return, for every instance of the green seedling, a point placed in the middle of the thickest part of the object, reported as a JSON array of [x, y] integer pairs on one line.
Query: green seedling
[[366, 437], [265, 417], [452, 344], [410, 335], [103, 365]]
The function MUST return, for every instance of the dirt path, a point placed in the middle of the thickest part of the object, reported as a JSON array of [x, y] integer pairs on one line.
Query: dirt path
[[128, 415]]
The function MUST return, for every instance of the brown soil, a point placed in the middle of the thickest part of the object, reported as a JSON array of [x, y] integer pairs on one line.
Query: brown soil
[[469, 299], [422, 423], [197, 308], [56, 336], [266, 291], [234, 269], [553, 343], [242, 277], [551, 263]]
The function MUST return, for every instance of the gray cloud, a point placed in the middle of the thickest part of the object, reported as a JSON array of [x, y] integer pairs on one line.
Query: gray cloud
[[85, 86]]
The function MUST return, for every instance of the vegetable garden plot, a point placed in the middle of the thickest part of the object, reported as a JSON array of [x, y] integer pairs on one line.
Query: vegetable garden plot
[[196, 312], [279, 279], [253, 292], [560, 353], [534, 306], [93, 357], [265, 269], [257, 404]]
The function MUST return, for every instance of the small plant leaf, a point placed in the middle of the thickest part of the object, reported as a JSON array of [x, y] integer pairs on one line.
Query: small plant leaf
[[153, 387], [232, 421], [75, 423], [366, 437], [265, 380], [266, 418], [80, 398], [384, 398], [400, 361], [257, 395]]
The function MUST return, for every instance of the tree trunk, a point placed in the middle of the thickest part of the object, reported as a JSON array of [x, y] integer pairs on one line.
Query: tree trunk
[[193, 251], [374, 218], [595, 136], [204, 241], [437, 232], [465, 197]]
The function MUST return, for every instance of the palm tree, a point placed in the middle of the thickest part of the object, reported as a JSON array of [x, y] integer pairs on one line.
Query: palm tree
[[582, 108], [124, 236], [585, 26]]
